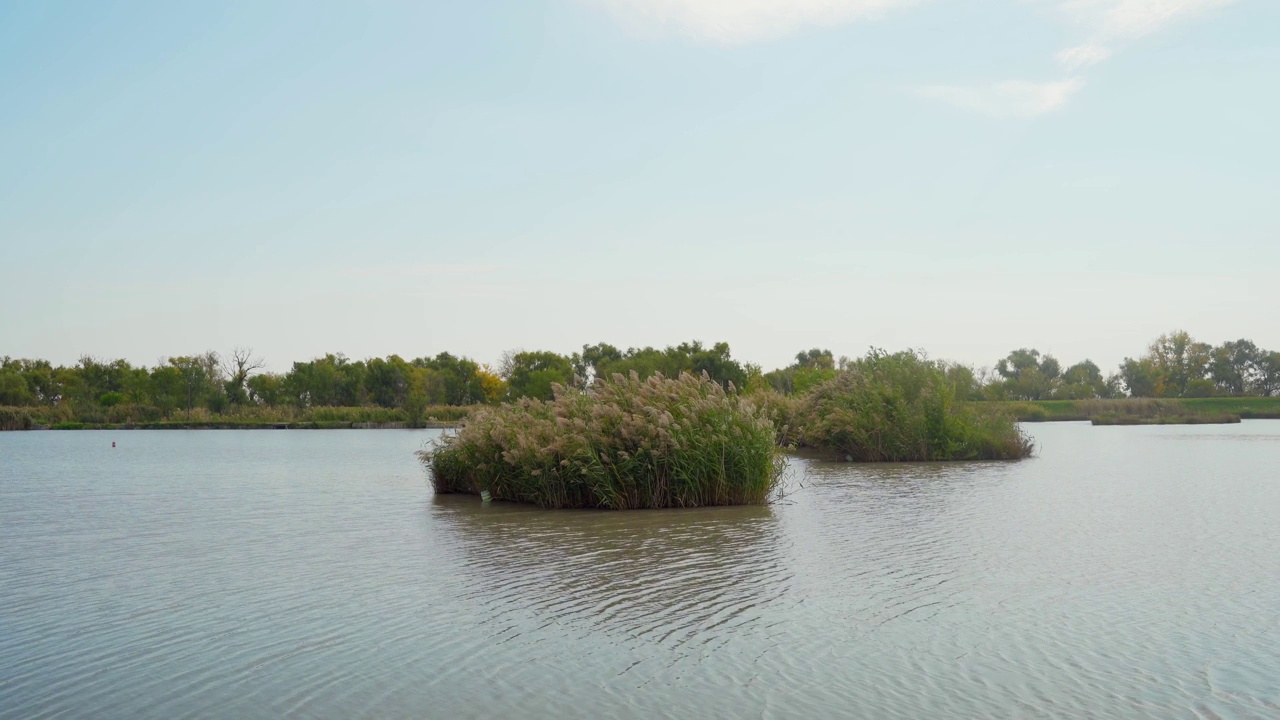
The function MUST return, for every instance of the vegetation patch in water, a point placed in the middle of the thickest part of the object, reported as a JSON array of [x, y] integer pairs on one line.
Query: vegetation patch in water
[[904, 407], [625, 443], [1200, 419]]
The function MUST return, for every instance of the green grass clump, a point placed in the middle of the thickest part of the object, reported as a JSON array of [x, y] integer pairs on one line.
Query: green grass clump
[[1025, 411], [625, 443], [1057, 410], [1256, 408], [902, 407], [15, 418]]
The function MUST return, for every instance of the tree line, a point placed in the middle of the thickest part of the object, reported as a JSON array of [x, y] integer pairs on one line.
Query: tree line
[[225, 383], [1174, 365]]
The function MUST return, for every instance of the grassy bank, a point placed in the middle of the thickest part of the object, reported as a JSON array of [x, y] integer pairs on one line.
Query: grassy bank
[[16, 418], [1066, 410], [627, 443], [1200, 419], [225, 425], [248, 418]]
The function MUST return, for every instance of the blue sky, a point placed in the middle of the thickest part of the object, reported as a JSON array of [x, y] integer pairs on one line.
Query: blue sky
[[966, 177]]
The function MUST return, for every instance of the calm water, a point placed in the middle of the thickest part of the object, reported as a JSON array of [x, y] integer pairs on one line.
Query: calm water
[[1125, 572]]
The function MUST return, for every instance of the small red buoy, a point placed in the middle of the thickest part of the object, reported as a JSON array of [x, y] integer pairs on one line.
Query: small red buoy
[[113, 443]]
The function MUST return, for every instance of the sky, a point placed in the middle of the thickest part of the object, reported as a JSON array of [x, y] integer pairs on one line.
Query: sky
[[965, 177]]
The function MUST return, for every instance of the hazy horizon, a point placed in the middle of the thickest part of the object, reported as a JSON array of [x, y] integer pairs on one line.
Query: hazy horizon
[[963, 179]]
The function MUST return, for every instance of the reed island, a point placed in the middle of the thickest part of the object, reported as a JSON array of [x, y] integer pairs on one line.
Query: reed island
[[624, 442]]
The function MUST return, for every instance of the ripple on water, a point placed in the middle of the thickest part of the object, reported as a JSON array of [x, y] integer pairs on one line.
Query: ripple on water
[[1125, 572], [656, 576]]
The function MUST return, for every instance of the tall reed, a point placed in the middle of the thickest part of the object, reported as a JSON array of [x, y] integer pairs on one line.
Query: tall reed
[[624, 443], [902, 407], [15, 418]]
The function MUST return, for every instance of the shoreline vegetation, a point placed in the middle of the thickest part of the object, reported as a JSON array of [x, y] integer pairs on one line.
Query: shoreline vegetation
[[1168, 420], [1245, 408], [448, 417], [322, 418], [1180, 375]]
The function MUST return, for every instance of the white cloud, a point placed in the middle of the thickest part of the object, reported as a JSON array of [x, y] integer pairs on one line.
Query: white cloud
[[1131, 19], [1117, 22], [1106, 26], [743, 21], [1108, 23], [1011, 98], [1074, 58]]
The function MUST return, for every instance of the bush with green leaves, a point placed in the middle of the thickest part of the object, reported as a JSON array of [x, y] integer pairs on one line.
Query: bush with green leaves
[[624, 443], [904, 407], [15, 418]]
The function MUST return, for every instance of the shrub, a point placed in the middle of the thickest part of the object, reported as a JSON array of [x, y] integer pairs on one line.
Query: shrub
[[110, 399], [626, 443], [15, 418], [1137, 407], [1027, 412], [327, 414], [781, 411], [902, 407], [133, 414]]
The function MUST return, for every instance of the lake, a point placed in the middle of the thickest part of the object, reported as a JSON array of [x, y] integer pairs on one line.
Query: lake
[[1123, 572]]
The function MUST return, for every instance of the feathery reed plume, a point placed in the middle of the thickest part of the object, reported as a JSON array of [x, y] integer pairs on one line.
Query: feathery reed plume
[[625, 443], [902, 407]]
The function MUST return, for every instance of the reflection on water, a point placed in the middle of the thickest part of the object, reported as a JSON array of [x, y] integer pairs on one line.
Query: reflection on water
[[1125, 572], [666, 576]]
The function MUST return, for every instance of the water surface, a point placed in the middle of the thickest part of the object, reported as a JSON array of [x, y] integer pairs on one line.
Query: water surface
[[1124, 572]]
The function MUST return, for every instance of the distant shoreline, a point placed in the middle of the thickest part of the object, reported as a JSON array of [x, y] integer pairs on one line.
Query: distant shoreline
[[1118, 411], [241, 426]]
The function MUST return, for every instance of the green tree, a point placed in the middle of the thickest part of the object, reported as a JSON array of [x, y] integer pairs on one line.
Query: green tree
[[811, 368], [332, 380], [1234, 367], [460, 378], [70, 386], [816, 358], [266, 389], [201, 379], [98, 377], [136, 386], [1083, 381], [1026, 375], [1141, 378], [168, 388], [1179, 359], [963, 379], [604, 360], [594, 358], [13, 388], [1268, 382], [387, 381], [39, 378], [718, 363], [532, 374]]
